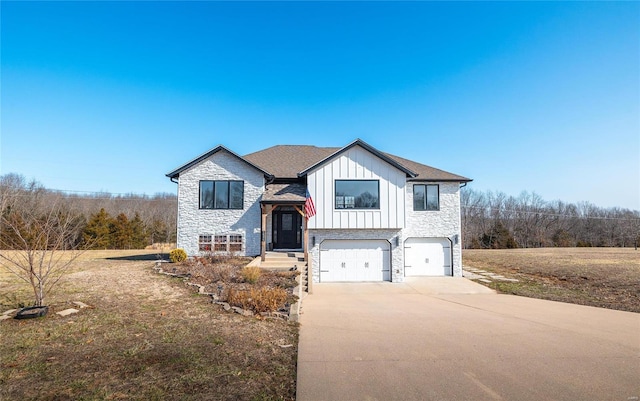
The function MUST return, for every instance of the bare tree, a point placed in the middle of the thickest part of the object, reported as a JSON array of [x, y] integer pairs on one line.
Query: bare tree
[[38, 239], [534, 222]]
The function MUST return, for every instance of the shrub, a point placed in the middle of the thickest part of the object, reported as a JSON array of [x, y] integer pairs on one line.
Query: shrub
[[251, 274], [223, 273], [499, 237], [229, 259], [258, 300], [177, 255]]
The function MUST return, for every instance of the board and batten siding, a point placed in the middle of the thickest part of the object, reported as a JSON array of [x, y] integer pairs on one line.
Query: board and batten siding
[[193, 221], [357, 164]]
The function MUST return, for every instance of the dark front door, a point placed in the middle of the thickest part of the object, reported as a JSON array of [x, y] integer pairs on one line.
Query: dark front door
[[287, 230]]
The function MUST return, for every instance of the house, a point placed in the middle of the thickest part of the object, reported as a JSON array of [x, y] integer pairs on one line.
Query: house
[[378, 217]]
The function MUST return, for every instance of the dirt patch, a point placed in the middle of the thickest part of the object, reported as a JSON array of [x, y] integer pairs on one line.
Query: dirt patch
[[602, 277], [144, 336]]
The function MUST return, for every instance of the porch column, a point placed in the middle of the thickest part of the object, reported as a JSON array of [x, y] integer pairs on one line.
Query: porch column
[[263, 233], [305, 238], [306, 256]]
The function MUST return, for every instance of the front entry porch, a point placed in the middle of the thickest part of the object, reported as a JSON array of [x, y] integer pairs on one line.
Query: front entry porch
[[286, 229], [284, 224]]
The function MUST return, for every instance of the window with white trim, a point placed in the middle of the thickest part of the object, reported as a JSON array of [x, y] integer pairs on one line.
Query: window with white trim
[[235, 243], [231, 243], [204, 243]]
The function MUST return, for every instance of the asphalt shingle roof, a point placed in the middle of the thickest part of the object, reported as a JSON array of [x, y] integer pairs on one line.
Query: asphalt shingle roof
[[294, 192], [286, 161]]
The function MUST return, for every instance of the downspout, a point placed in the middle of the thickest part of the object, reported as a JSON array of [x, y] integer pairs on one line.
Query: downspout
[[177, 214], [451, 252], [460, 239], [263, 220]]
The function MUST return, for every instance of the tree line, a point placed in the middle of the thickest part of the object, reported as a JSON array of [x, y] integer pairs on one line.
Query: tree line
[[95, 221], [496, 220], [103, 221]]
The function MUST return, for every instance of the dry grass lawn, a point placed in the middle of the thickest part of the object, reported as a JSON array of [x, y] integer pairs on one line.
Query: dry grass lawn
[[603, 277], [145, 337]]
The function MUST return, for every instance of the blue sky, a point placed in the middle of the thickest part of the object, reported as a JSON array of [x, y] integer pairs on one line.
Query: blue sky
[[110, 96]]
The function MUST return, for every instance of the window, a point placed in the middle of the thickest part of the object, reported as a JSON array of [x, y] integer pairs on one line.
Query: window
[[357, 194], [225, 243], [221, 194], [426, 197], [235, 243], [204, 243]]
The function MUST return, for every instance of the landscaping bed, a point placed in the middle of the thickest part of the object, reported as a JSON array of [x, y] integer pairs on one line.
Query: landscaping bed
[[228, 280]]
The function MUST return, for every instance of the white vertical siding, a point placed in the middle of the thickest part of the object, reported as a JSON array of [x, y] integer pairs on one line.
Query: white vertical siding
[[357, 163]]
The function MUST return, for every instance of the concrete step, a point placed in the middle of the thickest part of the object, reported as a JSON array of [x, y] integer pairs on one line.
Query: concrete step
[[284, 262], [279, 269], [273, 265], [284, 254]]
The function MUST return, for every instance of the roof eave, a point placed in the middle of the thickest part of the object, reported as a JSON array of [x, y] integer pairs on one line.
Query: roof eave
[[282, 202], [461, 179]]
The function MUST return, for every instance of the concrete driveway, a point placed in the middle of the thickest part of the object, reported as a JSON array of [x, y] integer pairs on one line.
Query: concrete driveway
[[452, 339]]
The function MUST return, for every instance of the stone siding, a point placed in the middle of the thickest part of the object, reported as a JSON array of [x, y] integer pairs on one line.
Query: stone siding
[[193, 221], [444, 223]]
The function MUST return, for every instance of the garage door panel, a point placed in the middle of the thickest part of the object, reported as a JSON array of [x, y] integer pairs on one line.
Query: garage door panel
[[427, 257], [354, 260]]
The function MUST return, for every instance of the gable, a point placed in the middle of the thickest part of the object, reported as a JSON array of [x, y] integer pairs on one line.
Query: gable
[[366, 147], [294, 161], [176, 173], [357, 164]]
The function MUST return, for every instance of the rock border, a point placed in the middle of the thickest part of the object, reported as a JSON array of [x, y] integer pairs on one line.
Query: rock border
[[294, 309]]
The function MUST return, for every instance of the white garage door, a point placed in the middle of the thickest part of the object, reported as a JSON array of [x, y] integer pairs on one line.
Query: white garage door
[[354, 260], [427, 257]]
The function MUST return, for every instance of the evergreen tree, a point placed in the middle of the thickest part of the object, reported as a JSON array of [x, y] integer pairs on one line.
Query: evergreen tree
[[499, 237], [158, 232], [138, 233], [98, 231], [121, 233], [562, 238]]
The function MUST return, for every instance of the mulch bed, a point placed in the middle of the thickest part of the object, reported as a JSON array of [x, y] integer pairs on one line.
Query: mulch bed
[[223, 276]]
